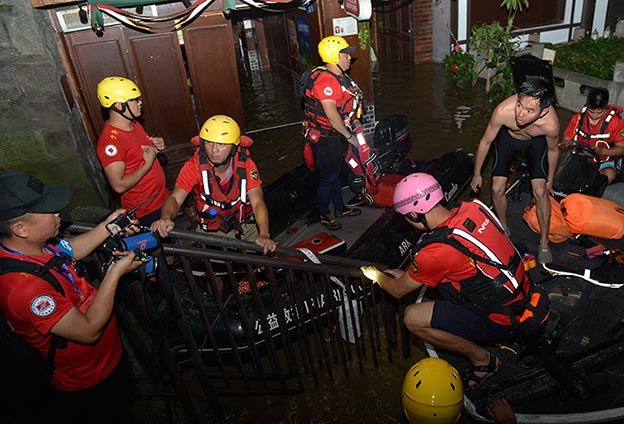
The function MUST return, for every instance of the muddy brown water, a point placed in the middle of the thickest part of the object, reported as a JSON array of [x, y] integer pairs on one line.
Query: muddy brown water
[[441, 118]]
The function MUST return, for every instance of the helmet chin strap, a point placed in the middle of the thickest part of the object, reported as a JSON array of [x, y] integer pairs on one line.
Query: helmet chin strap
[[420, 219], [122, 111]]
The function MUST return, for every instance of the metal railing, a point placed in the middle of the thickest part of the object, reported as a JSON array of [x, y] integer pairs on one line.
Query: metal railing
[[237, 322]]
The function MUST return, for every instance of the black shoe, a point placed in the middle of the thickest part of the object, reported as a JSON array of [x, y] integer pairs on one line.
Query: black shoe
[[354, 201], [348, 212], [330, 223]]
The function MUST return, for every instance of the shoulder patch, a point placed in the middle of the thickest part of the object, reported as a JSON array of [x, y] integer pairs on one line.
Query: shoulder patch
[[414, 268], [43, 306], [110, 150], [254, 174], [328, 91]]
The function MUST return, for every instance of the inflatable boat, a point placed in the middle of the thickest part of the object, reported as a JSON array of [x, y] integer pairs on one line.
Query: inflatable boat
[[378, 236], [572, 373]]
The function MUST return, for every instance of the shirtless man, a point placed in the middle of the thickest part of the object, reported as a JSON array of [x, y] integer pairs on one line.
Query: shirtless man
[[526, 122]]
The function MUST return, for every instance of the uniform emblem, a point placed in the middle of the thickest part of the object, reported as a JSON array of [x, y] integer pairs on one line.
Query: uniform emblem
[[414, 268], [254, 174], [328, 91], [110, 150], [43, 306]]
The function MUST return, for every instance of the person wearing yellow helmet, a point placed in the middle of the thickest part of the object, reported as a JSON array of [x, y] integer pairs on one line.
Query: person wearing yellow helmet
[[127, 153], [226, 187], [332, 108]]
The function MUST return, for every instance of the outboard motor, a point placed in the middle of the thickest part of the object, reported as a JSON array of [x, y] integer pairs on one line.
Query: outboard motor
[[391, 143]]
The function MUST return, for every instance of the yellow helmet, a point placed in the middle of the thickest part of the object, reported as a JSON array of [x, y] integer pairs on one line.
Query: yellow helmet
[[220, 129], [432, 393], [116, 89], [330, 47]]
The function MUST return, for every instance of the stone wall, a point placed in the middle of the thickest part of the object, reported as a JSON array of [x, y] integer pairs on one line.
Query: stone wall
[[40, 133], [570, 96]]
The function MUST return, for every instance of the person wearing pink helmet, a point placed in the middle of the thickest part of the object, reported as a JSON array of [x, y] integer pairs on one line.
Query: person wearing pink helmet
[[478, 271]]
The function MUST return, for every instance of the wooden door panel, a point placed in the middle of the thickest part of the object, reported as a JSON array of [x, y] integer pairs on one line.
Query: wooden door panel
[[212, 65], [93, 59], [168, 110]]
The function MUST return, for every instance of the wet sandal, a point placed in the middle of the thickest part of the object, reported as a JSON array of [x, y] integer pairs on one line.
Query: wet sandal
[[490, 369]]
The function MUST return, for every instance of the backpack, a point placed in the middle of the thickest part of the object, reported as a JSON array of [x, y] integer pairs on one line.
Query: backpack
[[21, 364]]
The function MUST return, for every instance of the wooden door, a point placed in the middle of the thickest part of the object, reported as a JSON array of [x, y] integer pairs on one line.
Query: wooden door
[[211, 57], [395, 32], [154, 61]]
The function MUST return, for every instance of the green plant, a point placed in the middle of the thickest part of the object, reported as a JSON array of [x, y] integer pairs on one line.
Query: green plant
[[590, 57], [458, 67], [363, 34], [491, 46]]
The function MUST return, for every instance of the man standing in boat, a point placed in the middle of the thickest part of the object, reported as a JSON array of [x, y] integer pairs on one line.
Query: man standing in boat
[[332, 107], [226, 187], [598, 126], [487, 297], [525, 122], [127, 153]]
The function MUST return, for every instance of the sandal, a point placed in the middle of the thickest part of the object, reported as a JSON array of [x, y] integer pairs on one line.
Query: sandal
[[348, 212], [330, 223], [490, 369]]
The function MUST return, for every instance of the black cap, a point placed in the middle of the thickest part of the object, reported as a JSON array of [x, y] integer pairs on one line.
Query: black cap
[[348, 50], [21, 193]]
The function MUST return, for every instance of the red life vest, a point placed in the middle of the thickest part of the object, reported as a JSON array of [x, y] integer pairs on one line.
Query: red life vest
[[365, 164], [219, 210], [315, 122], [500, 283], [603, 138]]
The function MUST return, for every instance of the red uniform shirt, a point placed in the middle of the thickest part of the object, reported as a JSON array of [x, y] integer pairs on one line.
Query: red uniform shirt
[[33, 307], [116, 145]]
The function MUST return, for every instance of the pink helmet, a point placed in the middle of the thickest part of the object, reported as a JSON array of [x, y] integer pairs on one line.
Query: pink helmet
[[418, 192]]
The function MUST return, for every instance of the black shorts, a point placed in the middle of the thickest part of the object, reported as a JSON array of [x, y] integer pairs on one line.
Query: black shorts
[[461, 321], [506, 148]]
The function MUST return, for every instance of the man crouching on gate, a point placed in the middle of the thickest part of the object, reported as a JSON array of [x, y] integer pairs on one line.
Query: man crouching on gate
[[466, 254]]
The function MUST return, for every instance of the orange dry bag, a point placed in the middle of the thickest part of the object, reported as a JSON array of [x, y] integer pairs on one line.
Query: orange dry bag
[[558, 231], [593, 216]]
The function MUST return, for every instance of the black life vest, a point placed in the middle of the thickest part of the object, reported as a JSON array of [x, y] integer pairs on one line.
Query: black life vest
[[500, 275], [315, 122], [232, 207]]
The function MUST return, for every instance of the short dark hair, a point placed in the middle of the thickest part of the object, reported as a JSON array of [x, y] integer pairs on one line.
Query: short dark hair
[[597, 98], [540, 89], [5, 225]]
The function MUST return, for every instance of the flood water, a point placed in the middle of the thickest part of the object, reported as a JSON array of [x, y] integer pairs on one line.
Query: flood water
[[441, 118]]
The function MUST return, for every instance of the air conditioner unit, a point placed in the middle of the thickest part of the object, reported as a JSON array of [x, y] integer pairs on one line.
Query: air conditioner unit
[[70, 20]]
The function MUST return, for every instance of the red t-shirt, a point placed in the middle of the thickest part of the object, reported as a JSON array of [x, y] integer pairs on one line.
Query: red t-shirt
[[116, 145], [327, 87], [189, 178], [33, 307]]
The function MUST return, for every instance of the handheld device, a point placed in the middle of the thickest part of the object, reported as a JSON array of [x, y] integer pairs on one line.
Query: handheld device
[[124, 220]]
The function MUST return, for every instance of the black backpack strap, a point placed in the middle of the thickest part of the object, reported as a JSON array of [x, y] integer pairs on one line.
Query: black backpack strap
[[8, 265]]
